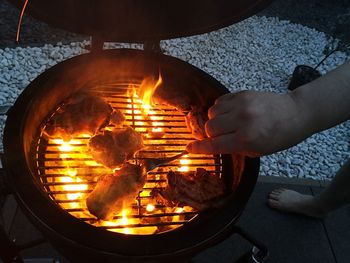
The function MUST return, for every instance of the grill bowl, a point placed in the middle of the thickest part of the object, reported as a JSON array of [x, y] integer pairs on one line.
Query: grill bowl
[[73, 237]]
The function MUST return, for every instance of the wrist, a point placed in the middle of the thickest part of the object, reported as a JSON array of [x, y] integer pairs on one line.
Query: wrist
[[304, 112]]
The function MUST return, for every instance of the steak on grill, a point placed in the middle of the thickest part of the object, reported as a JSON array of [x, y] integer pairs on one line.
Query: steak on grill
[[200, 189], [81, 113], [113, 148], [114, 192]]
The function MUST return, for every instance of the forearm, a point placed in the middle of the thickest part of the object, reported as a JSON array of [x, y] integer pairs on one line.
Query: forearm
[[325, 102], [259, 123]]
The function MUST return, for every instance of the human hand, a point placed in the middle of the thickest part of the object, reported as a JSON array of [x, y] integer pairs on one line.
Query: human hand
[[252, 123]]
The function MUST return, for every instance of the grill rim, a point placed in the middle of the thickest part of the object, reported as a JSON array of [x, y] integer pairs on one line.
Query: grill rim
[[25, 187]]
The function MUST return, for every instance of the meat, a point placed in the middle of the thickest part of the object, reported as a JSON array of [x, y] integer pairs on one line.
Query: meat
[[113, 148], [185, 101], [80, 113], [200, 189], [117, 118], [195, 122], [172, 96], [114, 192]]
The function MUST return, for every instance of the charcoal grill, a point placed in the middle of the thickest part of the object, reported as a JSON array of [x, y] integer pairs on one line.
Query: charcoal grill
[[40, 169]]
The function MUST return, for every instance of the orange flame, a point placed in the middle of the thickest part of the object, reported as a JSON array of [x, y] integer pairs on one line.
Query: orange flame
[[146, 91]]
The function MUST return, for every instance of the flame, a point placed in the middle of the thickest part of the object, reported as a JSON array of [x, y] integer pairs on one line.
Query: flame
[[126, 220], [73, 187], [143, 108], [146, 91]]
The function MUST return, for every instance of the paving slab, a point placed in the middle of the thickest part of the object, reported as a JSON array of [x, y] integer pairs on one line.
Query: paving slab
[[23, 231], [9, 212], [289, 238], [337, 225]]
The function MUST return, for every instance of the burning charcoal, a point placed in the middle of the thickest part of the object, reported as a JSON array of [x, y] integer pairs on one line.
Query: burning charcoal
[[114, 192], [80, 113], [200, 189], [195, 122], [113, 148]]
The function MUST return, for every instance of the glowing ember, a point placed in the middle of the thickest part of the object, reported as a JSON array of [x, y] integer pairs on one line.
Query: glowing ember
[[150, 208], [184, 162], [73, 187]]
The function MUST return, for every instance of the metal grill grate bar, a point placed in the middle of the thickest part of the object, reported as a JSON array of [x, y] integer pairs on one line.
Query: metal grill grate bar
[[55, 165]]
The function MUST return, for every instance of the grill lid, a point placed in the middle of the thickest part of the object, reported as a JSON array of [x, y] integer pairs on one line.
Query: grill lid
[[141, 21]]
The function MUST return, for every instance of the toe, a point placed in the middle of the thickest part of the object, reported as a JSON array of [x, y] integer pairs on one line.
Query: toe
[[274, 196], [273, 203], [281, 190], [277, 191]]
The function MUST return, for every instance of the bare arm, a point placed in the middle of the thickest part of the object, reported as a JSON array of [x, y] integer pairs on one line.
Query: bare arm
[[258, 123], [326, 101]]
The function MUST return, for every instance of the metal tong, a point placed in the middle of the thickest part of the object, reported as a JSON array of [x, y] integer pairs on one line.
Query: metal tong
[[148, 164]]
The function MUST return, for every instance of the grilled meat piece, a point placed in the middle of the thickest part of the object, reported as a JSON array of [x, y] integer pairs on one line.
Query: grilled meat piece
[[113, 148], [200, 189], [117, 118], [196, 115], [172, 97], [80, 113], [114, 192], [195, 122]]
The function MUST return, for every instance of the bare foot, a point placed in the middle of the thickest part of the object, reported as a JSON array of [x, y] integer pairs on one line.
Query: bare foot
[[293, 202]]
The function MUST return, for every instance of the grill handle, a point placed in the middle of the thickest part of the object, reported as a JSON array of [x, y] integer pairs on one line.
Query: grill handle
[[4, 109]]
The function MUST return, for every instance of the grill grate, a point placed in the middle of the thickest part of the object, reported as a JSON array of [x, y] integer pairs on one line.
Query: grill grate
[[68, 173]]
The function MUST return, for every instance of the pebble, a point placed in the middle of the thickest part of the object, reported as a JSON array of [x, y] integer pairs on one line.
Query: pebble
[[258, 53]]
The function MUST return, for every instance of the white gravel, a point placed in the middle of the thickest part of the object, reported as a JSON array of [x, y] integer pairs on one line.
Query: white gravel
[[259, 53]]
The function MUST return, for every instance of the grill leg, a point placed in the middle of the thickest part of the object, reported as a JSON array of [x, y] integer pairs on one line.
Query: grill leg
[[9, 251], [259, 252]]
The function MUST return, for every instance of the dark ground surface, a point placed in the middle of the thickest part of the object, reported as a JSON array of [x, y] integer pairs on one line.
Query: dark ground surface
[[328, 16], [289, 238]]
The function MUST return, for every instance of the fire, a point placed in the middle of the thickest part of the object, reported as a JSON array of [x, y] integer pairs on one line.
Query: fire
[[150, 208], [184, 162], [146, 91], [75, 172], [143, 108], [122, 224], [73, 187]]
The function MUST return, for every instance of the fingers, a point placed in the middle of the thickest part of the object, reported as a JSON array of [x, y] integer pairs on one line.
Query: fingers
[[222, 105], [219, 109], [220, 125], [218, 145]]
